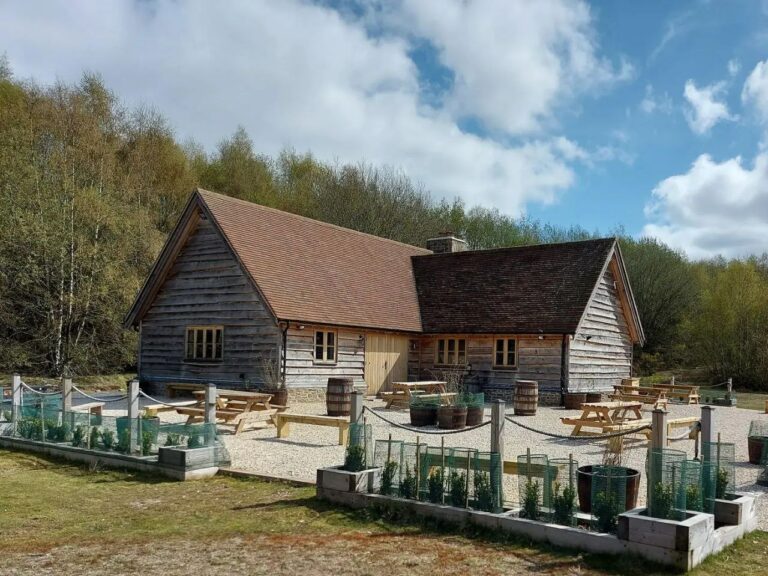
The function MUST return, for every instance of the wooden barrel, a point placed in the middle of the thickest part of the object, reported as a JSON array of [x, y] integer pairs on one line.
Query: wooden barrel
[[338, 396], [526, 397]]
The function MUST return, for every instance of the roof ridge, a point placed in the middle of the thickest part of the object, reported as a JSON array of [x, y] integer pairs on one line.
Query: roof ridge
[[203, 191], [513, 248]]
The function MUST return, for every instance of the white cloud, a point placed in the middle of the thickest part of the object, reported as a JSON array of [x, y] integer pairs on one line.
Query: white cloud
[[704, 107], [734, 67], [515, 62], [755, 91], [714, 208], [652, 102], [302, 75]]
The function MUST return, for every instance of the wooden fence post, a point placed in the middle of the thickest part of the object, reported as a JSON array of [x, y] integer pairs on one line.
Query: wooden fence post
[[356, 413], [707, 429], [16, 399], [497, 428], [133, 415], [66, 395], [210, 413], [658, 429]]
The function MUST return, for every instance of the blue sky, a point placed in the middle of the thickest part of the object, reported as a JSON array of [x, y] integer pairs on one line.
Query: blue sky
[[649, 115]]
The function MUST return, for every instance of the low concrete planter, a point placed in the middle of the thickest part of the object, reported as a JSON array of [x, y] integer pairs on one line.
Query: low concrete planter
[[335, 478], [735, 511], [682, 544], [684, 535]]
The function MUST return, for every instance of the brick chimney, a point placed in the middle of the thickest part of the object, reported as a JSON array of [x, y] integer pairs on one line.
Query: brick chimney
[[446, 243]]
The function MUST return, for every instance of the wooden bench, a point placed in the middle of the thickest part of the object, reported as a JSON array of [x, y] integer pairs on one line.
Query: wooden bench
[[236, 418], [152, 410], [93, 408], [178, 386], [653, 396], [283, 422], [685, 393], [399, 399]]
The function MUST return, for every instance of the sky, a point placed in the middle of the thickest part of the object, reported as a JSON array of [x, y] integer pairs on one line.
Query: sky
[[651, 116]]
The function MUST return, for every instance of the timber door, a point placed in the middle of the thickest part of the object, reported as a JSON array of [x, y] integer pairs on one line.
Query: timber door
[[386, 361]]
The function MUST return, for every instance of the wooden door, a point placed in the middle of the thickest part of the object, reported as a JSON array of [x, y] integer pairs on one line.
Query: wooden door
[[386, 361]]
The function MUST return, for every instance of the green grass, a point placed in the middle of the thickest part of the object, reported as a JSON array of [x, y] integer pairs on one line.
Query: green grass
[[119, 522]]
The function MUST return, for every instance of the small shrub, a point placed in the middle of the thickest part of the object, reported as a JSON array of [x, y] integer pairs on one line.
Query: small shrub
[[94, 437], [108, 439], [78, 437], [721, 483], [693, 497], [458, 488], [563, 505], [354, 459], [531, 509], [388, 477], [606, 510], [58, 432], [408, 484], [173, 439], [485, 497], [436, 486], [194, 441], [31, 428], [663, 500], [123, 442], [7, 415], [146, 443]]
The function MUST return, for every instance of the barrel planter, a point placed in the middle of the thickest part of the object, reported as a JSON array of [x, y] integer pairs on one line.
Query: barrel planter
[[338, 396], [574, 400], [584, 488], [279, 397], [755, 446], [423, 415], [475, 415], [526, 397], [452, 417]]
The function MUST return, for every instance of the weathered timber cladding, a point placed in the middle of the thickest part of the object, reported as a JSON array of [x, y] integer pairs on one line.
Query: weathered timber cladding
[[606, 358], [206, 286], [537, 359], [303, 372]]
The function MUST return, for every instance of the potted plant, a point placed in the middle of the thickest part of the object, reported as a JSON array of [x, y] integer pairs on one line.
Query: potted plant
[[452, 416], [273, 382], [475, 408], [423, 412], [612, 457]]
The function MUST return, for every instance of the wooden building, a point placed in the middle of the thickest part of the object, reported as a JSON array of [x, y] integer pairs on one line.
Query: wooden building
[[238, 284]]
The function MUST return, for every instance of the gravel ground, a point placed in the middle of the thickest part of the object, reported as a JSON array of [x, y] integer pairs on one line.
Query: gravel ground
[[311, 447]]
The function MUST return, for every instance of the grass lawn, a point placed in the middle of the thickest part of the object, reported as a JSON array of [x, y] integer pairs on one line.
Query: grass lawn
[[61, 519]]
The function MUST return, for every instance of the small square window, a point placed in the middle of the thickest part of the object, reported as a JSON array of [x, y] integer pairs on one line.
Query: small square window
[[205, 343], [325, 347]]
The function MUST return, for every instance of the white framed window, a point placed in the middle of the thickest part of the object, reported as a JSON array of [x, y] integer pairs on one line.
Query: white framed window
[[205, 343], [505, 353], [325, 347], [451, 352]]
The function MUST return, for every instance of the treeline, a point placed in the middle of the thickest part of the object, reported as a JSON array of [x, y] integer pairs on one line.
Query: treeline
[[90, 189]]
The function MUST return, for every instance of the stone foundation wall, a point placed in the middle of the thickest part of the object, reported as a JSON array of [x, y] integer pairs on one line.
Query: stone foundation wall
[[546, 397]]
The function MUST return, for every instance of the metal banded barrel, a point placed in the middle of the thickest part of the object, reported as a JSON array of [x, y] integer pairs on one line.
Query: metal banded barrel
[[338, 396], [526, 397]]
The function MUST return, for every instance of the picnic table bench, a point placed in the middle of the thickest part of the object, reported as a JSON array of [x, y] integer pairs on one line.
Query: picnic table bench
[[234, 408], [684, 392], [653, 396], [152, 410], [283, 423], [176, 387], [602, 415], [93, 408], [402, 392]]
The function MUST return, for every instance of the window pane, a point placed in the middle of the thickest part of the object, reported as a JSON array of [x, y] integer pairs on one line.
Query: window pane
[[219, 344], [510, 352], [499, 359], [330, 353], [330, 338], [499, 345], [318, 352], [209, 343], [318, 338], [199, 343], [441, 351], [462, 351], [451, 356]]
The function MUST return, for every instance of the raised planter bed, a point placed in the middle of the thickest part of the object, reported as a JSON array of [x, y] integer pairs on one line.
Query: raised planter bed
[[338, 479]]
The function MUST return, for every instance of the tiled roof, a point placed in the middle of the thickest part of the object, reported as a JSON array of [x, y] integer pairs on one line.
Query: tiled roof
[[315, 272], [529, 289]]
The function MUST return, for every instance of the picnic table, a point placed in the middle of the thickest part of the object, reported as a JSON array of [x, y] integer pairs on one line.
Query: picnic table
[[402, 392], [605, 416], [682, 392], [234, 408], [654, 396]]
